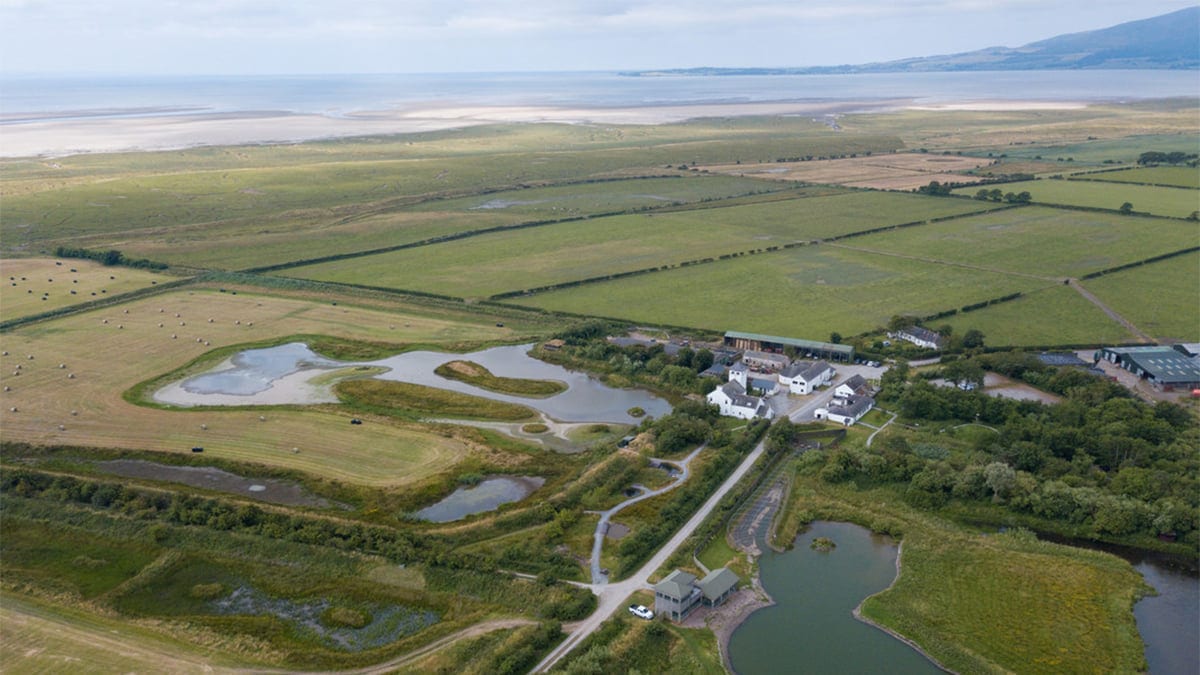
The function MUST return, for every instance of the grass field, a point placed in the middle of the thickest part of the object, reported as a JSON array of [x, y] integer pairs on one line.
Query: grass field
[[511, 261], [893, 171], [1159, 201], [1162, 298], [1178, 176], [99, 355], [1037, 240], [1123, 148], [991, 603], [806, 292], [35, 285], [1057, 315]]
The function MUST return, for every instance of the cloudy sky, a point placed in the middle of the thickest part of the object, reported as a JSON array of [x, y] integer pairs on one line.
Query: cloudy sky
[[415, 36]]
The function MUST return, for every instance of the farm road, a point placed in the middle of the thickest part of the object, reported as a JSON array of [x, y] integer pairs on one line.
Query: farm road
[[1074, 283]]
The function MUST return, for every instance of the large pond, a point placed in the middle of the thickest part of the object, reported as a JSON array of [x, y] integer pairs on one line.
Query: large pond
[[284, 374], [486, 496], [811, 628]]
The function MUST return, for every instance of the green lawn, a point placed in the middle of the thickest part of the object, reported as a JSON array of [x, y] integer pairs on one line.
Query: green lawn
[[1162, 298], [806, 292], [1057, 315], [1179, 176], [534, 257], [1042, 241], [1160, 201]]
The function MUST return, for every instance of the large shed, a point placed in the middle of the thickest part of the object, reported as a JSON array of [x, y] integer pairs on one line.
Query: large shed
[[1162, 366], [775, 343]]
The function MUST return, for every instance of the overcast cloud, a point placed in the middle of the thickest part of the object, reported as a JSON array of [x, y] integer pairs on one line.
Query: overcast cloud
[[361, 36]]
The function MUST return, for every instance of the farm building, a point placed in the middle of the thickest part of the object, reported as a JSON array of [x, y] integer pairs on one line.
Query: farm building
[[846, 411], [776, 344], [733, 401], [803, 377], [855, 385], [765, 360], [921, 337], [1162, 366], [740, 373], [679, 592]]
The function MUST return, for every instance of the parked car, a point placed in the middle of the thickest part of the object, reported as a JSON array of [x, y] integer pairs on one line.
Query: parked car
[[641, 612]]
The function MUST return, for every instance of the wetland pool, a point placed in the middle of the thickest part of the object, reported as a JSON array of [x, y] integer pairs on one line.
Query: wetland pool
[[488, 495]]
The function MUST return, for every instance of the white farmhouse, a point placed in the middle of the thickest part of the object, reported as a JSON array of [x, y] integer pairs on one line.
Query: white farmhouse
[[855, 385], [732, 400], [804, 377], [921, 337], [740, 373], [847, 412]]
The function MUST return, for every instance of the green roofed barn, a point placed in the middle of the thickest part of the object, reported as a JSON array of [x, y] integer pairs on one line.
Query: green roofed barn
[[775, 343], [1163, 366]]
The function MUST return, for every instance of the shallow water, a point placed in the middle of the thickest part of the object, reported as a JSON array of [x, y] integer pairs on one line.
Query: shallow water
[[486, 496], [255, 370], [811, 629], [271, 490]]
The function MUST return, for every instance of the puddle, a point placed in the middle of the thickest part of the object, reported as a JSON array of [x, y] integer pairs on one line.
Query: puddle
[[487, 496], [270, 490]]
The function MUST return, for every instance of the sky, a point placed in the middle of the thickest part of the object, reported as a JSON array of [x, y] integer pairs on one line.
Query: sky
[[247, 37]]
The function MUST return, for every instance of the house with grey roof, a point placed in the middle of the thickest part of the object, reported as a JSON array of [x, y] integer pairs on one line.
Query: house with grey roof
[[803, 377], [855, 385], [733, 401], [765, 360], [921, 337], [846, 411], [679, 593]]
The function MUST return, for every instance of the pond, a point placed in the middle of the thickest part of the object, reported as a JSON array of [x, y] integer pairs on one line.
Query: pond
[[811, 628], [486, 496], [284, 375], [271, 490], [586, 399]]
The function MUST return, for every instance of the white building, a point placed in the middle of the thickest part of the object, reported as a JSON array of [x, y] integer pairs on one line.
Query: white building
[[921, 337], [740, 373], [855, 385], [848, 412], [732, 400], [804, 377], [765, 360]]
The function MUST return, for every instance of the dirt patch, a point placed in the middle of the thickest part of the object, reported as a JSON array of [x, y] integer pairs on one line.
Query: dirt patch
[[617, 531], [465, 368], [272, 490]]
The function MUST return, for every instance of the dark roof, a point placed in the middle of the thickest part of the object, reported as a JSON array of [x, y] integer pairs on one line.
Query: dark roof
[[808, 370], [1061, 359], [855, 382], [677, 584], [921, 333], [853, 407]]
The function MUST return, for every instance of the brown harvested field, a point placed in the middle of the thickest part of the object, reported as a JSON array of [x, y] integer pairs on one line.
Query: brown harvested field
[[900, 171], [108, 351], [35, 285]]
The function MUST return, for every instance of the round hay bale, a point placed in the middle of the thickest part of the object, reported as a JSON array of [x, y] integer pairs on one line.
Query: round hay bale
[[31, 357], [160, 325], [61, 428], [120, 327], [237, 323], [74, 413], [262, 418], [204, 427], [210, 319], [172, 336], [182, 323], [16, 373], [70, 376], [13, 409], [5, 353], [103, 320], [294, 450], [18, 366], [126, 311], [62, 365], [7, 388]]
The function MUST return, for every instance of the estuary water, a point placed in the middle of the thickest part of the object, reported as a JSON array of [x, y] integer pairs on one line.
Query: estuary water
[[33, 98]]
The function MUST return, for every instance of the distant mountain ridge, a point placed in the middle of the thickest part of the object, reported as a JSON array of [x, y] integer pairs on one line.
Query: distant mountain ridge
[[1169, 41]]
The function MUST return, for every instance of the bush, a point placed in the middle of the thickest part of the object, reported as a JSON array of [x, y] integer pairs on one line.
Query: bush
[[345, 616]]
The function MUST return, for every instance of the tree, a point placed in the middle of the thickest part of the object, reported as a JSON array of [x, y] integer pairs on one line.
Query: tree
[[1126, 208], [835, 338], [702, 361], [1000, 479], [996, 195], [972, 339], [982, 195], [1024, 197]]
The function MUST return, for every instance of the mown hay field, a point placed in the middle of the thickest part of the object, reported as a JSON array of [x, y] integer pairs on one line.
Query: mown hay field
[[1057, 315], [35, 285], [895, 171], [1159, 201], [1178, 176], [1162, 298], [805, 292], [529, 258], [1038, 240], [108, 351]]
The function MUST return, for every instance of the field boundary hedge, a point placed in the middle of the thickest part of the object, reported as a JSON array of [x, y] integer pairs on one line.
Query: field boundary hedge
[[1139, 263], [117, 299]]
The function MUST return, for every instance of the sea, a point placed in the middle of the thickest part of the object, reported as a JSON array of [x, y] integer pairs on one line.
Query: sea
[[27, 98]]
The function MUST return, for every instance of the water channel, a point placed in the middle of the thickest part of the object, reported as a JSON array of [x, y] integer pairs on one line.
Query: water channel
[[811, 629], [283, 374]]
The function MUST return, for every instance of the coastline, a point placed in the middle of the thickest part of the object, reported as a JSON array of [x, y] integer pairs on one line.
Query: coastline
[[857, 613], [54, 135]]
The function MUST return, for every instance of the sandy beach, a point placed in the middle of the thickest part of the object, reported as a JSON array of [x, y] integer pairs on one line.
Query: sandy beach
[[52, 136]]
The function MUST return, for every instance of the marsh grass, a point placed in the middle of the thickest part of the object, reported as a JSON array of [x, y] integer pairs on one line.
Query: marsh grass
[[477, 375]]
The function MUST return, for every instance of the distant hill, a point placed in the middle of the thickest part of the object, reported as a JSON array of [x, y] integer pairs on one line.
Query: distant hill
[[1170, 41]]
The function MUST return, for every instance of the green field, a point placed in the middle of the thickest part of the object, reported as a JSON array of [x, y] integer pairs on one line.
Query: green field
[[529, 258], [1162, 298], [1057, 315], [1037, 240], [1178, 176], [1123, 149], [1159, 201], [805, 292]]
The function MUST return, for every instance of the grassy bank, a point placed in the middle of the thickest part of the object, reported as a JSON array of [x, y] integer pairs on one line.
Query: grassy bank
[[474, 374], [988, 603], [408, 400]]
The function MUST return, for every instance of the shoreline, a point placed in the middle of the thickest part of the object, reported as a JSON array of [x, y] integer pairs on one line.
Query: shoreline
[[857, 613], [38, 136]]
